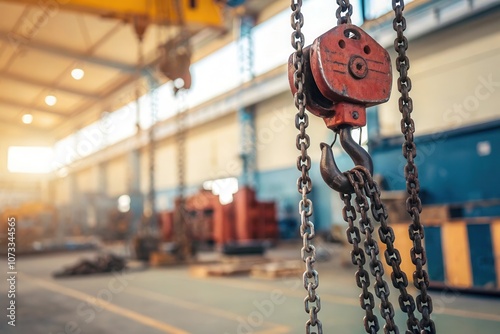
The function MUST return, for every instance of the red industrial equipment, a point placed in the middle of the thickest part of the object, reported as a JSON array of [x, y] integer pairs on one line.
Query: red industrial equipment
[[244, 219]]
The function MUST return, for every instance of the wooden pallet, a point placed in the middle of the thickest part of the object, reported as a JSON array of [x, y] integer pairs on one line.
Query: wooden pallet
[[220, 269], [157, 259], [247, 259], [275, 270], [228, 266]]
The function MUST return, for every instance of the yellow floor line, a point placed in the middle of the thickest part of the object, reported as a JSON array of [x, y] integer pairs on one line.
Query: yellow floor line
[[277, 328], [147, 321]]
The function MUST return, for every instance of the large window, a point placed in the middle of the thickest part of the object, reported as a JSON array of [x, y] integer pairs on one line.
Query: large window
[[30, 159], [377, 8]]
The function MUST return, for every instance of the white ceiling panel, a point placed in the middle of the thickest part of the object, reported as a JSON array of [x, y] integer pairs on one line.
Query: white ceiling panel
[[96, 26], [122, 48], [10, 15], [6, 51], [8, 112], [70, 37], [66, 103], [15, 91], [96, 78], [41, 65], [44, 120]]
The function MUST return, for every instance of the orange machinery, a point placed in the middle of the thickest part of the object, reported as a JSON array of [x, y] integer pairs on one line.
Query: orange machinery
[[35, 222]]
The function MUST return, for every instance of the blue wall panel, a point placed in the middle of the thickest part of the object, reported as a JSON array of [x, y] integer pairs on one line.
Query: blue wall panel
[[434, 250], [481, 255], [451, 169]]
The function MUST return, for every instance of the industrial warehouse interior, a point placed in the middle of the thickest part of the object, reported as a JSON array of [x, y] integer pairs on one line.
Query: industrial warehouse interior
[[249, 166]]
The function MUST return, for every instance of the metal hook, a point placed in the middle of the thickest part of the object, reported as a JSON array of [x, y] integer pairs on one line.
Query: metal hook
[[331, 174]]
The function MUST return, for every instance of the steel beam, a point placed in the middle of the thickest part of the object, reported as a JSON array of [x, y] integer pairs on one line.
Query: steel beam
[[63, 52], [30, 107], [24, 127], [48, 85]]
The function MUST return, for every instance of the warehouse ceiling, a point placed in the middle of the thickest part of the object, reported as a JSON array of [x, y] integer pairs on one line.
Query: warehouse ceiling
[[41, 42]]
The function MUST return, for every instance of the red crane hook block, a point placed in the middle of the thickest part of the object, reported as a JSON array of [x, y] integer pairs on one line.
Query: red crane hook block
[[345, 71]]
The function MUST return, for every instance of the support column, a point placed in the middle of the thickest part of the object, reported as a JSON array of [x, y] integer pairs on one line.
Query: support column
[[102, 182], [151, 196], [134, 175], [134, 190], [246, 114]]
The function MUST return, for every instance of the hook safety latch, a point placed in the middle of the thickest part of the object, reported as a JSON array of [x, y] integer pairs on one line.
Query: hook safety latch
[[345, 71]]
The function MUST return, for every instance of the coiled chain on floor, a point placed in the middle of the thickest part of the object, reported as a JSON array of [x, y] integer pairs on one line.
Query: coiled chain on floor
[[413, 203], [312, 303]]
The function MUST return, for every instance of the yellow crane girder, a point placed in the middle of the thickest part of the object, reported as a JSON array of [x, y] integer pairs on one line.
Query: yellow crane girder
[[197, 13]]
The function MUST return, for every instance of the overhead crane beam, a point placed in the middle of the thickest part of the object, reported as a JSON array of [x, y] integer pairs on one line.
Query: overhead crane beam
[[200, 13]]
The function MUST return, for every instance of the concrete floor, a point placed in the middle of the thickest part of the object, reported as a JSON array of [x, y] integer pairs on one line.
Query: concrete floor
[[169, 300]]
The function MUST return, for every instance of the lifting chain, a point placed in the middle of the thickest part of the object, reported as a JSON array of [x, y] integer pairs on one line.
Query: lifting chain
[[153, 224], [358, 258], [316, 87], [182, 219], [312, 302], [365, 187], [357, 179], [413, 203], [180, 141]]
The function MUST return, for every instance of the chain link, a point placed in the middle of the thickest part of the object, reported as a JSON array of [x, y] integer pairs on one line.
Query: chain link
[[358, 258], [180, 140], [413, 203], [382, 291], [153, 224], [344, 12], [312, 303], [392, 255], [182, 216]]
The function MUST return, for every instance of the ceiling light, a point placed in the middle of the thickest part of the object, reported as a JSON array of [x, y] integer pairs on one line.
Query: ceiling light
[[77, 73], [27, 118], [50, 100], [179, 83]]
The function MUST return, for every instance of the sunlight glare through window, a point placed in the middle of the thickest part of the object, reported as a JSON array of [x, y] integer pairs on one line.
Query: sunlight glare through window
[[30, 159]]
